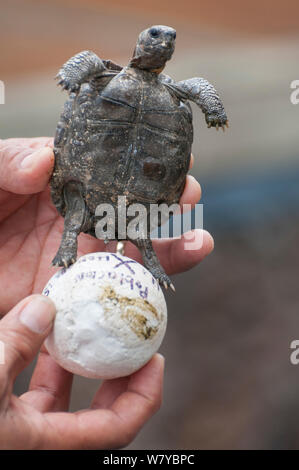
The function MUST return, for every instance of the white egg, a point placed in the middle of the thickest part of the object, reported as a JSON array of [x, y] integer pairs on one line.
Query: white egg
[[111, 316]]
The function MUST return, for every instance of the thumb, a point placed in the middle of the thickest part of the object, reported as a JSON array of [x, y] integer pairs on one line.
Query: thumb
[[22, 332], [24, 170]]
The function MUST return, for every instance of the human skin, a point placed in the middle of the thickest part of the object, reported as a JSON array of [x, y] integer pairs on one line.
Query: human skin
[[30, 232]]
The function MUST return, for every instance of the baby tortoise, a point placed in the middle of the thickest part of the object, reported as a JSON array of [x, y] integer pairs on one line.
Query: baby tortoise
[[125, 131]]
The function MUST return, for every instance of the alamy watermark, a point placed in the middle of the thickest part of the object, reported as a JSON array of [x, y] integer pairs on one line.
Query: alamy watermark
[[294, 357], [139, 221], [294, 97], [2, 92]]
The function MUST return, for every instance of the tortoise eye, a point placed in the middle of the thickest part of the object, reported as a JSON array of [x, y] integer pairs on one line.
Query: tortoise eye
[[154, 32]]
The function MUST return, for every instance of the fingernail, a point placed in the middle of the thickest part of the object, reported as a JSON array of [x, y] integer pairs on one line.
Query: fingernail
[[33, 158], [38, 314], [161, 358]]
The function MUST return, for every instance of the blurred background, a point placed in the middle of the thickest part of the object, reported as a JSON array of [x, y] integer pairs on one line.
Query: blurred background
[[229, 383]]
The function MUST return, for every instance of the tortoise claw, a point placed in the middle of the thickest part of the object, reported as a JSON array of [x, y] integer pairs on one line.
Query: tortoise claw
[[63, 260], [167, 283], [213, 120]]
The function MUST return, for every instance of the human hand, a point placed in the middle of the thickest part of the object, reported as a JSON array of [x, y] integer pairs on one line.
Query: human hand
[[31, 228], [30, 232], [38, 418]]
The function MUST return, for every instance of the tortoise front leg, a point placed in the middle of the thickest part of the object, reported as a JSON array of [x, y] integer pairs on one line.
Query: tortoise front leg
[[73, 223], [206, 97], [79, 69]]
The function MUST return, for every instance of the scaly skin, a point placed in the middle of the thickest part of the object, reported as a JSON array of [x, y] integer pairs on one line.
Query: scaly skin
[[203, 93], [206, 97], [79, 69]]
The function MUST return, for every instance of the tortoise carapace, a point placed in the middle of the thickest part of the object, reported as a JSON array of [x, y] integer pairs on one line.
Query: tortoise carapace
[[125, 131]]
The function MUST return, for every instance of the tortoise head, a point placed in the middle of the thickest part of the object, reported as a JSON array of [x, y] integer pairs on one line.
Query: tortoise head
[[154, 47]]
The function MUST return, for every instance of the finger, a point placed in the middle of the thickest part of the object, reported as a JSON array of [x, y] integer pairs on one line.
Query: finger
[[33, 142], [109, 391], [22, 332], [178, 254], [182, 254], [192, 192], [49, 391], [191, 161], [114, 427], [24, 170], [143, 397]]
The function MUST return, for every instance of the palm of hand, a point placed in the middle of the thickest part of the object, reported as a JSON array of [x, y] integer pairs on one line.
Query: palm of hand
[[30, 227], [30, 234]]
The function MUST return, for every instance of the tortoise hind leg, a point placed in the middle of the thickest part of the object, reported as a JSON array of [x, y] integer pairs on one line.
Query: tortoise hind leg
[[152, 263], [74, 219]]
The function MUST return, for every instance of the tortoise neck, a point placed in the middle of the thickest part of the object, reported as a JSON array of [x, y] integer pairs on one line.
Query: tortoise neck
[[136, 71], [147, 65]]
